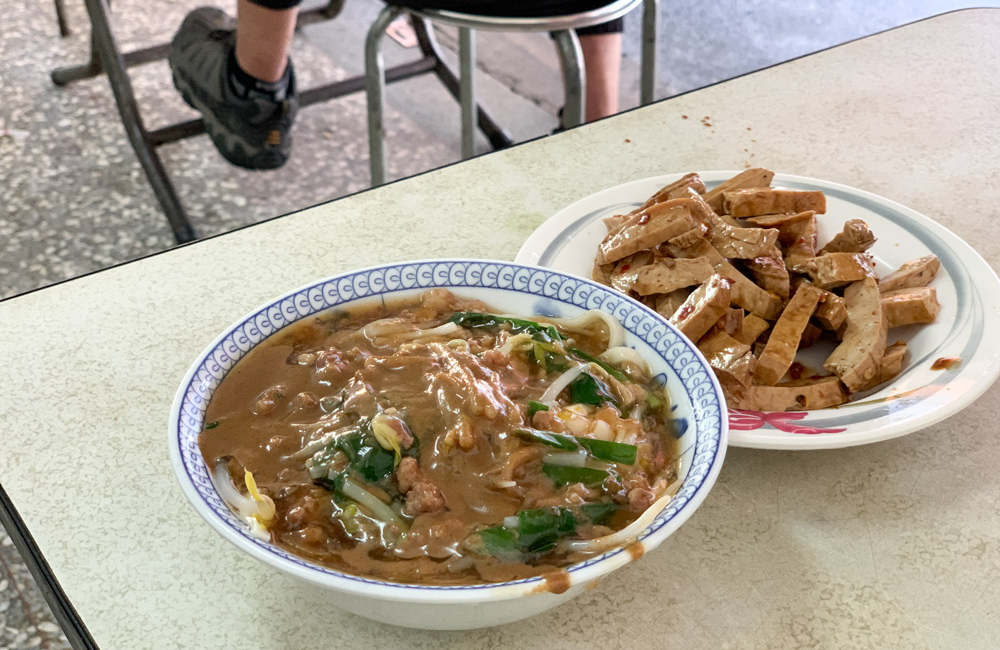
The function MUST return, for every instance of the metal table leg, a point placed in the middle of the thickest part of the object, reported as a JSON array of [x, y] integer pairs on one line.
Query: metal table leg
[[574, 76], [111, 60], [650, 33], [498, 137], [61, 18], [375, 91], [467, 89]]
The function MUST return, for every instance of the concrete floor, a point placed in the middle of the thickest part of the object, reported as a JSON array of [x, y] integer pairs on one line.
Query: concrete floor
[[75, 199]]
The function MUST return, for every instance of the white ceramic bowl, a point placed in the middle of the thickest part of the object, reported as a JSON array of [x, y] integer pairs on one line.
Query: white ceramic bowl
[[503, 286]]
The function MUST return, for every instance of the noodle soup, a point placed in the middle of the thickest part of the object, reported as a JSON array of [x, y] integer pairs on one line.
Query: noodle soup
[[438, 442]]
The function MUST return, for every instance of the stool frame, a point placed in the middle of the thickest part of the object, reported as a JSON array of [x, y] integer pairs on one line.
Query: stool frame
[[107, 58], [568, 45]]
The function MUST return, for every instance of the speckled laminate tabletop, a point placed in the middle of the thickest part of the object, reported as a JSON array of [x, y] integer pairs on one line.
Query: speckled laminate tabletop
[[892, 545]]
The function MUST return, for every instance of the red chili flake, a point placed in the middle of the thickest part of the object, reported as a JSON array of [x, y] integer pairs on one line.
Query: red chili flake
[[710, 124], [795, 370], [627, 140], [685, 312], [625, 267], [644, 219], [684, 117]]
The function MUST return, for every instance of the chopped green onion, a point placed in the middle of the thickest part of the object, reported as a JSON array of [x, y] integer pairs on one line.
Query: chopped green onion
[[533, 407], [608, 368], [587, 389], [614, 452], [564, 475], [365, 454], [212, 425], [598, 513], [540, 529], [536, 531], [471, 320], [566, 443], [501, 543]]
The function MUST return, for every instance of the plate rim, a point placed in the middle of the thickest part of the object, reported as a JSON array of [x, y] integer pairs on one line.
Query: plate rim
[[980, 374]]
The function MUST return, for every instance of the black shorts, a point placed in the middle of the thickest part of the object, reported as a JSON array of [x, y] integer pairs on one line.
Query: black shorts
[[502, 8]]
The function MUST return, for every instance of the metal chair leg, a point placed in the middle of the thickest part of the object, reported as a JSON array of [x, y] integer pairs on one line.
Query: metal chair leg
[[375, 91], [112, 62], [650, 34], [574, 77], [61, 18], [498, 137], [467, 89]]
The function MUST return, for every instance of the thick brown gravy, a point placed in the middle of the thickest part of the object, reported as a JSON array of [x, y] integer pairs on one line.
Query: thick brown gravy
[[453, 402]]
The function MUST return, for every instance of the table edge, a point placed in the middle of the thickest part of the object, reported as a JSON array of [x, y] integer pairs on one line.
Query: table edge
[[65, 614]]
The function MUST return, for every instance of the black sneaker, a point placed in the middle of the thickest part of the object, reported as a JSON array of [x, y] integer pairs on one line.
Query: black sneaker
[[250, 128]]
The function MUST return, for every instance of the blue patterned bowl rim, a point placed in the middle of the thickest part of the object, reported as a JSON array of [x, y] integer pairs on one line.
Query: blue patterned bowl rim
[[212, 365]]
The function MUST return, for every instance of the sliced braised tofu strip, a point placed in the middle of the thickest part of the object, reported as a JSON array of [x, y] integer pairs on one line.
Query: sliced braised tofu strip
[[645, 230], [745, 294], [732, 321], [909, 306], [678, 189], [856, 237], [770, 273], [748, 295], [685, 247], [799, 238], [760, 201], [778, 220], [764, 282], [810, 335], [691, 237], [837, 269], [783, 343], [753, 327], [743, 243], [703, 307], [795, 395], [703, 212], [602, 273], [857, 359], [729, 358], [667, 304], [915, 273], [831, 312], [892, 361], [669, 274], [625, 270], [756, 177]]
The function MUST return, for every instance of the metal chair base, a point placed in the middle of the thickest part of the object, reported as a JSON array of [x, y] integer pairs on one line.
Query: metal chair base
[[562, 28], [107, 58]]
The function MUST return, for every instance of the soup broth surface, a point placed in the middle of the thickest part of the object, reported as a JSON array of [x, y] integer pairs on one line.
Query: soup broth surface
[[437, 442]]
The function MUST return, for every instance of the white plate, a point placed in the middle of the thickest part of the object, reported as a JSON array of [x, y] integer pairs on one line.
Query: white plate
[[967, 288]]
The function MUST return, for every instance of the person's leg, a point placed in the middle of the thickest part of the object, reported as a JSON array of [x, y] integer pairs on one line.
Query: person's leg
[[602, 54], [240, 78], [263, 39]]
